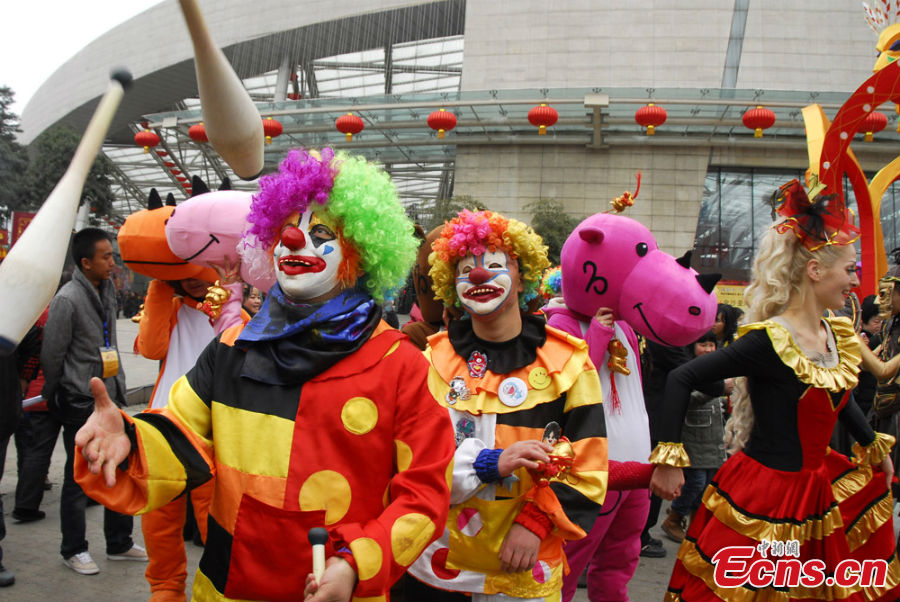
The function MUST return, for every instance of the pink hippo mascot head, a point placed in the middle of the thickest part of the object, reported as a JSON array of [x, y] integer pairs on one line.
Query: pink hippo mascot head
[[207, 228], [613, 261]]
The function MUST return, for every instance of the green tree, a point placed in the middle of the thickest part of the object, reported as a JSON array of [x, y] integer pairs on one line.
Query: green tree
[[13, 159], [550, 220], [51, 153]]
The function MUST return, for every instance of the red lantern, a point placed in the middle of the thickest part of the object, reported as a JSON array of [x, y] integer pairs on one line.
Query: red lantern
[[874, 122], [169, 163], [542, 117], [293, 96], [272, 129], [758, 119], [442, 121], [175, 172], [198, 133], [147, 139], [651, 117], [349, 124], [181, 178], [162, 153]]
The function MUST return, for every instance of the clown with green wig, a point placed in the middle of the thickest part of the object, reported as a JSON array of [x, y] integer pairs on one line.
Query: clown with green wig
[[530, 468], [313, 414]]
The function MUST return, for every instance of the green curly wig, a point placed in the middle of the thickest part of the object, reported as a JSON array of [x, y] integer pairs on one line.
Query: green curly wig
[[347, 192]]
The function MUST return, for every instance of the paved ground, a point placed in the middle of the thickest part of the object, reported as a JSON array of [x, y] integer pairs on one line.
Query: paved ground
[[31, 550]]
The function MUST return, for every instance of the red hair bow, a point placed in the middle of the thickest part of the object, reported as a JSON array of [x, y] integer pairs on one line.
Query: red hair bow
[[817, 223]]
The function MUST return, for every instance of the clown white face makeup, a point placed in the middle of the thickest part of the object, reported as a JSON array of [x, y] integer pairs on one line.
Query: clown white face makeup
[[485, 283], [307, 257]]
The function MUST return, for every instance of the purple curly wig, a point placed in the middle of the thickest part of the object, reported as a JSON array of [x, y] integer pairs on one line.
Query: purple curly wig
[[301, 179]]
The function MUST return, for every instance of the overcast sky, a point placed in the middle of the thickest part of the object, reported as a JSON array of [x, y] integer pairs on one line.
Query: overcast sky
[[38, 36]]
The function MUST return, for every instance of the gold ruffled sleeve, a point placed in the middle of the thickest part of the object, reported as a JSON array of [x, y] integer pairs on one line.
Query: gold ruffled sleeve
[[670, 454], [876, 451]]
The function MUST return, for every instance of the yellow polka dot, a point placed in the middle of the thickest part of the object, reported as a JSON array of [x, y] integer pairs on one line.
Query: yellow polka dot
[[409, 535], [326, 490], [391, 350], [449, 474], [359, 415], [403, 455], [367, 554]]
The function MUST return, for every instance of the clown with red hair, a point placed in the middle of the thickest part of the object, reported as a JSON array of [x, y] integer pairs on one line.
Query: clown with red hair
[[506, 378]]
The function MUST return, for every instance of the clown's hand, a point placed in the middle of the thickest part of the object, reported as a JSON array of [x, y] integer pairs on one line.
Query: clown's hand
[[519, 550], [523, 453], [103, 441], [337, 582]]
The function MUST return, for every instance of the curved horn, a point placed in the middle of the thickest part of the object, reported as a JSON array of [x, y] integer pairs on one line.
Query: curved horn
[[685, 260], [708, 281]]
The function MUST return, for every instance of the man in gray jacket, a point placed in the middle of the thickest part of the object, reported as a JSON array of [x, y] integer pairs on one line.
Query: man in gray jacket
[[79, 343]]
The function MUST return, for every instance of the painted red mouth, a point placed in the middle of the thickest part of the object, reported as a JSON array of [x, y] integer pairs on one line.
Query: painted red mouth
[[300, 264], [483, 293]]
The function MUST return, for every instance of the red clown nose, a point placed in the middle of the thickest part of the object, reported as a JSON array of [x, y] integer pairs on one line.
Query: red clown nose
[[479, 276], [293, 238]]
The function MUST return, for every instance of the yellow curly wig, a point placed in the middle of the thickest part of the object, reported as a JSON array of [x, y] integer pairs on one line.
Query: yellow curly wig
[[477, 233]]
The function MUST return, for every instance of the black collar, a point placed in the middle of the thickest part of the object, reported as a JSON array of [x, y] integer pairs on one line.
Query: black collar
[[506, 356]]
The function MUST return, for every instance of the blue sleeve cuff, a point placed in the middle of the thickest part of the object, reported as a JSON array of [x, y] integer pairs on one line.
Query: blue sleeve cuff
[[486, 465]]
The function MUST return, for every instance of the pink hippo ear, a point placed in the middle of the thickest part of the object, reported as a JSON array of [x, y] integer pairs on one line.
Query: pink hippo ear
[[592, 236]]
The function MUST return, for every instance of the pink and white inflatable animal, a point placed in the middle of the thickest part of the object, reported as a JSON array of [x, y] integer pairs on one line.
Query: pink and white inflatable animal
[[610, 261], [613, 261], [207, 228]]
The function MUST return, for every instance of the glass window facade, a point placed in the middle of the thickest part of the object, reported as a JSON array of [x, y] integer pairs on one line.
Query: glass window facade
[[736, 211]]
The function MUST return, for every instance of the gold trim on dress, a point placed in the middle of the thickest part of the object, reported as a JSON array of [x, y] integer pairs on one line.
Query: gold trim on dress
[[876, 451], [841, 377], [851, 483], [670, 454], [760, 528], [871, 520]]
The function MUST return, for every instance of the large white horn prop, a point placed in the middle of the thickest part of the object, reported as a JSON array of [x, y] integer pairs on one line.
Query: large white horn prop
[[233, 125], [30, 273]]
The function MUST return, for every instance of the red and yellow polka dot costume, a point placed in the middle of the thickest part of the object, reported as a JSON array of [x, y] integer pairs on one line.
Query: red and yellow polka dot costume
[[361, 449]]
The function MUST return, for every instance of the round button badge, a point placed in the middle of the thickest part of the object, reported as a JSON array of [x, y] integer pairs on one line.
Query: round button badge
[[513, 392]]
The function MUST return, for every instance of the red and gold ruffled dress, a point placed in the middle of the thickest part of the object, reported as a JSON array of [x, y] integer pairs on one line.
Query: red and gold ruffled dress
[[787, 485]]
